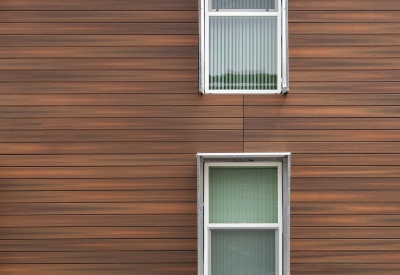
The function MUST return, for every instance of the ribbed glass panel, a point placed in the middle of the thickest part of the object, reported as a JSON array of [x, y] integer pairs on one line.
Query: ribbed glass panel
[[243, 53], [243, 252], [243, 195], [243, 4]]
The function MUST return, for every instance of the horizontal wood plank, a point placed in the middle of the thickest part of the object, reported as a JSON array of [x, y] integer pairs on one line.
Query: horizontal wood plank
[[137, 196], [122, 124], [344, 221], [187, 147], [350, 124], [346, 159], [127, 245], [337, 51], [164, 171], [97, 209], [320, 111], [99, 41], [98, 257], [97, 221], [75, 5], [107, 16], [98, 64], [345, 99], [343, 16], [370, 28], [326, 87], [321, 147], [128, 99], [343, 39], [193, 111], [345, 64], [357, 5], [99, 52], [321, 135], [121, 135], [344, 232], [337, 75], [114, 87], [134, 183], [98, 75], [345, 257], [341, 183], [46, 233], [345, 244], [111, 28], [345, 269], [346, 208], [98, 160], [308, 196], [100, 269]]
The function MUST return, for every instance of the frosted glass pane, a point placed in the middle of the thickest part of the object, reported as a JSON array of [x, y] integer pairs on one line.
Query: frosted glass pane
[[243, 53], [243, 4], [243, 252], [243, 195]]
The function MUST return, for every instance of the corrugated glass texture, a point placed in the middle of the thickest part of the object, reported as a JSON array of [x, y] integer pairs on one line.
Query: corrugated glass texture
[[243, 195], [243, 4], [243, 252], [243, 53]]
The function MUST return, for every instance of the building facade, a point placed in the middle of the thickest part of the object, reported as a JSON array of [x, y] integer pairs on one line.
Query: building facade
[[101, 120]]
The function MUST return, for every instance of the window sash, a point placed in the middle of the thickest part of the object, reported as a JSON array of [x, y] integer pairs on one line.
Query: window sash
[[205, 55], [215, 226]]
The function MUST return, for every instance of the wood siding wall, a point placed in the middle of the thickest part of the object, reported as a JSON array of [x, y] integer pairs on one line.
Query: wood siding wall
[[100, 122]]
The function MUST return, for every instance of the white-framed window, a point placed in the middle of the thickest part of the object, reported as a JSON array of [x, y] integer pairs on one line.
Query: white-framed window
[[243, 46], [243, 214]]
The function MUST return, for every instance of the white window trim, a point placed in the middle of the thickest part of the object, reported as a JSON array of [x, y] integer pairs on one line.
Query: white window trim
[[283, 51], [280, 160]]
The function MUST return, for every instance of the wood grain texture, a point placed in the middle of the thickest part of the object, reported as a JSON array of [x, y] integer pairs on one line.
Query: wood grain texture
[[345, 208], [345, 244], [106, 5], [339, 5], [102, 28], [384, 196], [346, 159], [121, 135], [344, 232], [98, 52], [341, 51], [133, 183], [101, 269], [97, 257], [348, 64], [182, 208], [187, 147], [126, 99], [98, 221], [107, 16], [98, 64], [320, 111], [347, 220], [343, 16], [112, 40], [329, 87], [345, 269], [370, 28], [345, 257], [343, 40], [325, 135], [336, 183], [127, 245], [122, 123], [114, 87]]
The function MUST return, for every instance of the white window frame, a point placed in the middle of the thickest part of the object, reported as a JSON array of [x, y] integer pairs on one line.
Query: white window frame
[[280, 12], [282, 227]]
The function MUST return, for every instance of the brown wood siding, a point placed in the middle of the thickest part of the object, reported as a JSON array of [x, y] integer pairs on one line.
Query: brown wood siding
[[100, 121]]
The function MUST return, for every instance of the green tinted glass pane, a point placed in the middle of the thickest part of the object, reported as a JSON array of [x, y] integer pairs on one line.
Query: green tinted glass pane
[[243, 252], [243, 4], [243, 195]]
